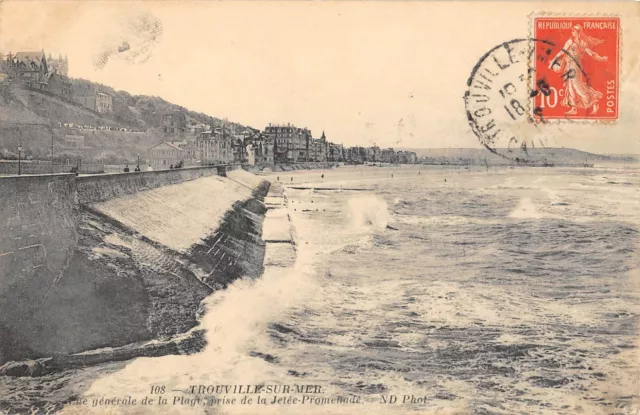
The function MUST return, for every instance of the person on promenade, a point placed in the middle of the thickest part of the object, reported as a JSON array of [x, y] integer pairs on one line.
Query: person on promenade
[[137, 168], [149, 168], [126, 168], [292, 178], [171, 167]]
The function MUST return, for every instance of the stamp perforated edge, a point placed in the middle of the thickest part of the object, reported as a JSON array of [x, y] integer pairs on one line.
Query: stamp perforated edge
[[531, 32]]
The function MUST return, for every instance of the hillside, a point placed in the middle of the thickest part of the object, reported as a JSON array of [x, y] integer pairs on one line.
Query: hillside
[[142, 111], [551, 155], [33, 119]]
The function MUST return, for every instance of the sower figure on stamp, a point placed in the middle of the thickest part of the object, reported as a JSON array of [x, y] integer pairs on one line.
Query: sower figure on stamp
[[577, 93]]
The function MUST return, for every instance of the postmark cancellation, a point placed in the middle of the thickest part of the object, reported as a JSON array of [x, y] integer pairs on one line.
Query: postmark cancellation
[[567, 70]]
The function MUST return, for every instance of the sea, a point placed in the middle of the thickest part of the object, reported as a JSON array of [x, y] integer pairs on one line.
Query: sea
[[422, 290]]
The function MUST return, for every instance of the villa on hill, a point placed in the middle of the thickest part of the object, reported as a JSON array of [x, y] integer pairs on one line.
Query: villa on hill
[[30, 68], [36, 71]]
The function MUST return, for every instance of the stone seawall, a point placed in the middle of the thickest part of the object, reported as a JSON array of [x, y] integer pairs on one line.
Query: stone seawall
[[11, 168], [81, 271], [108, 186], [38, 234]]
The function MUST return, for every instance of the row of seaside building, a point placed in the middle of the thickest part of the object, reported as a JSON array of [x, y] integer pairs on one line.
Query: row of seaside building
[[196, 144], [277, 144]]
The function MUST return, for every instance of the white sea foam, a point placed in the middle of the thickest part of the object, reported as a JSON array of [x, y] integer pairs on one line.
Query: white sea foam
[[236, 322], [525, 209], [368, 211]]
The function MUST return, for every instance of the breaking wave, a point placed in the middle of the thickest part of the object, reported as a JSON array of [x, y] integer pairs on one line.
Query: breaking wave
[[368, 212]]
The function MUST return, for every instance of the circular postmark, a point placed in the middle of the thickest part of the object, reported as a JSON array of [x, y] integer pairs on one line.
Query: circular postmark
[[130, 38], [503, 95]]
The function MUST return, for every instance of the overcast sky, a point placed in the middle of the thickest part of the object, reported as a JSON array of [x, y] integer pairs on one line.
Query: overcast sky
[[389, 73]]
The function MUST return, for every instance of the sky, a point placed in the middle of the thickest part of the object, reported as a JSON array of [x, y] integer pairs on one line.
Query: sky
[[390, 73]]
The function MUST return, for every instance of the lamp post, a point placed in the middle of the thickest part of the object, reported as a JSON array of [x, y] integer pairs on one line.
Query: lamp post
[[19, 160], [52, 154]]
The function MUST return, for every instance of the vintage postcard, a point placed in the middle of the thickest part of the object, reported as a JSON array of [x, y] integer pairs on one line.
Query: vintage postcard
[[296, 207]]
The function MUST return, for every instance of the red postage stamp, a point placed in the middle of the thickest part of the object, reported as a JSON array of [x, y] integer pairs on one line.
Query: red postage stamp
[[576, 69]]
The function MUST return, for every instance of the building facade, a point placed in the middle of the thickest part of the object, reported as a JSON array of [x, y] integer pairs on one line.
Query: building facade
[[268, 151], [290, 143], [29, 68], [238, 149], [335, 153], [165, 155], [104, 103], [216, 146], [251, 154], [388, 156]]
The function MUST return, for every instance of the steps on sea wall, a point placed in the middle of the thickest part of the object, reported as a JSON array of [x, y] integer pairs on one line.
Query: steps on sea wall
[[280, 255], [277, 226], [277, 231], [275, 197]]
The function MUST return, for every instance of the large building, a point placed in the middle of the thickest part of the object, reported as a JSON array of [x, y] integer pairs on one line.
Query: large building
[[104, 103], [30, 68], [268, 152], [215, 146], [290, 143], [320, 149], [388, 156], [165, 155], [335, 153], [374, 154], [302, 143], [238, 148]]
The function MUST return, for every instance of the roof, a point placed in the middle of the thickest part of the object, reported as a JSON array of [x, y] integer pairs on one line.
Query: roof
[[166, 144], [28, 57]]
